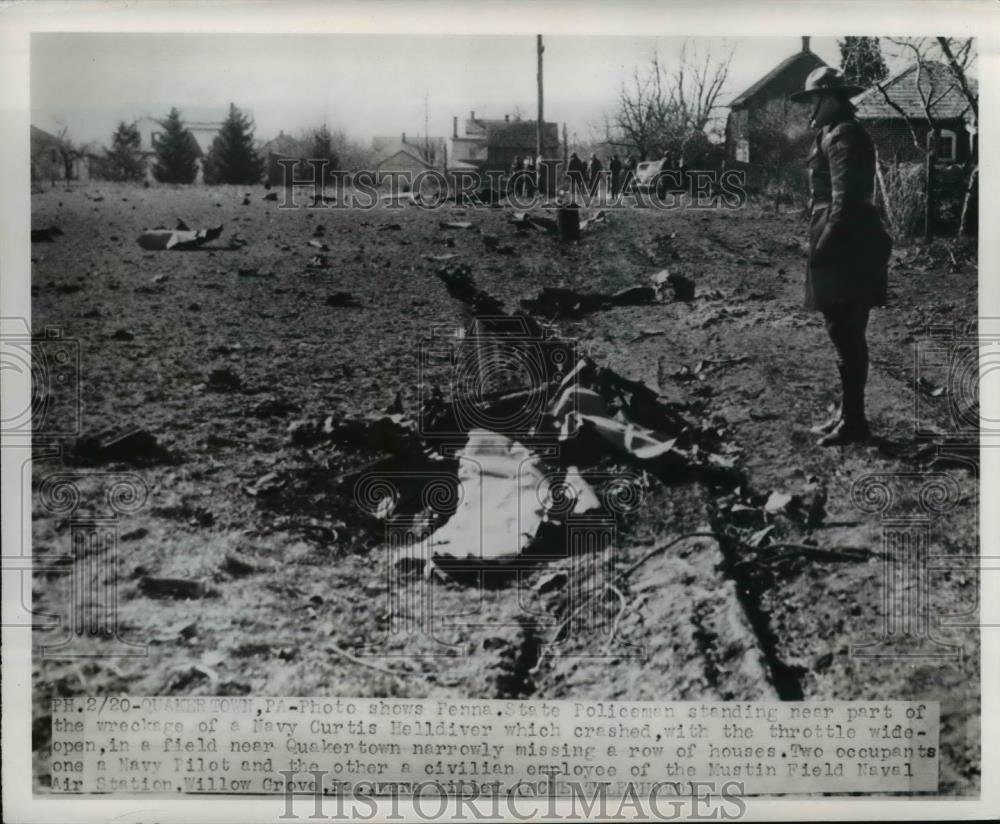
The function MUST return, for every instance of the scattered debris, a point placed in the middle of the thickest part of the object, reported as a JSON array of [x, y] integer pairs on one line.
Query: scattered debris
[[501, 508], [268, 484], [45, 235], [254, 272], [273, 408], [647, 333], [173, 588], [236, 566], [342, 300], [683, 287], [318, 262], [137, 447], [558, 301], [778, 502], [456, 224], [551, 582], [318, 244], [271, 196], [178, 239], [224, 379]]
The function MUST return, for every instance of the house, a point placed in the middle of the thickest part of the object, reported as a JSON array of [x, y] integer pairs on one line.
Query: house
[[934, 83], [150, 129], [492, 145], [47, 162], [282, 147], [764, 108]]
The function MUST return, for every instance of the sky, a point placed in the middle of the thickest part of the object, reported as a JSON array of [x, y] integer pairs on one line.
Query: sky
[[365, 85]]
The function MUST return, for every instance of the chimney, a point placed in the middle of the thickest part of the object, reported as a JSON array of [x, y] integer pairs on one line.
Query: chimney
[[454, 127], [506, 118], [403, 138], [805, 44], [472, 115]]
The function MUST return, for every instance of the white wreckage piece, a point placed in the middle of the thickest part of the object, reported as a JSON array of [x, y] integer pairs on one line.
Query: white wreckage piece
[[182, 237]]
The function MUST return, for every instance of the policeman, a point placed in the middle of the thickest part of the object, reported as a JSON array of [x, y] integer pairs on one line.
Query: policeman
[[849, 248]]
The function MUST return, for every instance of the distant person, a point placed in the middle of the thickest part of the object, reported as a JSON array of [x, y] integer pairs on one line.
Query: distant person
[[516, 181], [628, 177], [849, 248], [576, 172], [615, 167], [594, 169], [528, 170]]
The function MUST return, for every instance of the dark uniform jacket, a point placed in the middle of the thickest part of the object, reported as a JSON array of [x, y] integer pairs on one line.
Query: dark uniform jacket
[[849, 247]]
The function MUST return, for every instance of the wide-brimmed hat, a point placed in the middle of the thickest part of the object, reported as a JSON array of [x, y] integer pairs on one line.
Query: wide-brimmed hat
[[826, 80]]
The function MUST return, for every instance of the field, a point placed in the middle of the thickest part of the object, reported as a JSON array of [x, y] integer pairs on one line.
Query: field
[[280, 585]]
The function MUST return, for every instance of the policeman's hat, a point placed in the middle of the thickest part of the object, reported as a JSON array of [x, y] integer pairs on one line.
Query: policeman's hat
[[826, 80]]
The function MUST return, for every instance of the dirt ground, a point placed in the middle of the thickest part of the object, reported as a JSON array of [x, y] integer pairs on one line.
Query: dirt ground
[[290, 585]]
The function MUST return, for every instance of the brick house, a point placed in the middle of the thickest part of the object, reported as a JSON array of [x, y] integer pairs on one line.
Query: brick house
[[492, 145], [764, 108], [934, 83]]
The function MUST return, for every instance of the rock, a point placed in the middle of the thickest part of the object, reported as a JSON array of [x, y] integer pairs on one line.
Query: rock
[[271, 196], [135, 534], [122, 335]]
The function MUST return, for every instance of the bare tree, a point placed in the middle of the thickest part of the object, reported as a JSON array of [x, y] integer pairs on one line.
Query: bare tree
[[660, 107], [932, 87], [70, 151]]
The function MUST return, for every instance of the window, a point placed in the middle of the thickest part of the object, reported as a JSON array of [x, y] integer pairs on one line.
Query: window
[[743, 151], [154, 138], [946, 144]]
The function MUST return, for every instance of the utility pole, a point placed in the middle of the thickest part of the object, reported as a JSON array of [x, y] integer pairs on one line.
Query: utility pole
[[541, 122], [427, 141]]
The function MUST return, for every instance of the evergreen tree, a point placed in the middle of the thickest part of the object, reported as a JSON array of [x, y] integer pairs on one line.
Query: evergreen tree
[[232, 158], [862, 61], [176, 152], [321, 147], [124, 161]]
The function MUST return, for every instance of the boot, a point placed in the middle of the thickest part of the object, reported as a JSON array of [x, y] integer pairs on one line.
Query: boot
[[853, 427], [829, 424], [856, 431]]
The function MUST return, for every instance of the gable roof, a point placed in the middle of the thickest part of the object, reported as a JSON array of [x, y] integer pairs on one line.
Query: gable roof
[[407, 154], [907, 89], [284, 145], [42, 136], [803, 60], [385, 147], [521, 134]]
